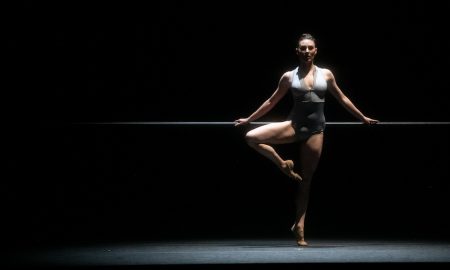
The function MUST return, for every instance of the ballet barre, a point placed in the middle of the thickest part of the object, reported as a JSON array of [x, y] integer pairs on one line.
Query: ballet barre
[[176, 123]]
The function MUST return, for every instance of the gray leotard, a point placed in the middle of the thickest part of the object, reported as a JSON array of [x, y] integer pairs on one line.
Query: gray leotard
[[307, 115]]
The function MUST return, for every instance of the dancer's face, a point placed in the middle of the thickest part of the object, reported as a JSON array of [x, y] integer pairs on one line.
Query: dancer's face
[[306, 50]]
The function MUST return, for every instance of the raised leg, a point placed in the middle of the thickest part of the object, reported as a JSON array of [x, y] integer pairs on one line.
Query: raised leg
[[274, 133]]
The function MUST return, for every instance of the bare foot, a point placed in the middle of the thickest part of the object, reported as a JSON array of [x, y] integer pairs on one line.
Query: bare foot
[[299, 236], [288, 169]]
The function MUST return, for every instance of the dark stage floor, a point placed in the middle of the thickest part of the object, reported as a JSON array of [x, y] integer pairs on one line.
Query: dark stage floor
[[235, 252]]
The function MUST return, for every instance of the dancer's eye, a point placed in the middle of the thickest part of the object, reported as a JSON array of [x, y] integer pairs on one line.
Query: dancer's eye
[[304, 48]]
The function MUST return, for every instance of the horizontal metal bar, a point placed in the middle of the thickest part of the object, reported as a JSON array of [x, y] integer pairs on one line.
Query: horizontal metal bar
[[254, 123]]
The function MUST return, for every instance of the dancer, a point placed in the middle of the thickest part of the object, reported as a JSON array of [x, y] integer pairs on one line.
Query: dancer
[[305, 124]]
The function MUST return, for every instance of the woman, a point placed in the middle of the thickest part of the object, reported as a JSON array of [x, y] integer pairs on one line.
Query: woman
[[305, 124]]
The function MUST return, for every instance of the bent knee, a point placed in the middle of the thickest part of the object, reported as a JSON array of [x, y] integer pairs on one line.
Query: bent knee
[[251, 138]]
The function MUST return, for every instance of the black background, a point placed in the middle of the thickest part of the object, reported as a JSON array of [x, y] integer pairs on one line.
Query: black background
[[78, 62]]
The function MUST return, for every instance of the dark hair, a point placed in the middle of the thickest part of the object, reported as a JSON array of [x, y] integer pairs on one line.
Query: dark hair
[[306, 36]]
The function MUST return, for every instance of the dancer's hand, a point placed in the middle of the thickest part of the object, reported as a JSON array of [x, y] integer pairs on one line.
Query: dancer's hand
[[369, 121], [241, 121]]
